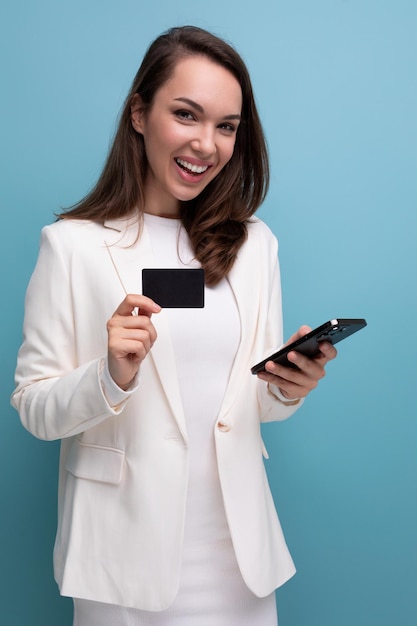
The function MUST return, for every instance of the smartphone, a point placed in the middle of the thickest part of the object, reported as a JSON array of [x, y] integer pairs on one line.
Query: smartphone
[[174, 288], [332, 331]]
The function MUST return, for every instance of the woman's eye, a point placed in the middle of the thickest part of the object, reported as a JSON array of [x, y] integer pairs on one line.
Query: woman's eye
[[184, 115], [229, 128]]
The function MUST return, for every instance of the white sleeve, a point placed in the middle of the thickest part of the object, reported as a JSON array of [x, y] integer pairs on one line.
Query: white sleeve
[[55, 396], [114, 394], [274, 406]]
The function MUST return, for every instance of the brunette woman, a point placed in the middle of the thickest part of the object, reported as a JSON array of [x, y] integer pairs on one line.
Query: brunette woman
[[165, 514]]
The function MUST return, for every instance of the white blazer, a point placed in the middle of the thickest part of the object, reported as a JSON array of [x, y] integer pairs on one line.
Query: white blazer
[[123, 470]]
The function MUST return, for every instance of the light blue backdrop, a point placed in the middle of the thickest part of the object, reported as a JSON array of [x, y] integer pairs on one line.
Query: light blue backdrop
[[336, 85]]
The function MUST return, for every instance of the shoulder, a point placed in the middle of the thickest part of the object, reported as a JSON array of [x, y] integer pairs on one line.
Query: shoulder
[[258, 228], [66, 239], [68, 228], [75, 234], [259, 234], [259, 252]]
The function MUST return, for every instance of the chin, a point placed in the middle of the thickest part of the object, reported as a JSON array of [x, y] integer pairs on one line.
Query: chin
[[187, 196]]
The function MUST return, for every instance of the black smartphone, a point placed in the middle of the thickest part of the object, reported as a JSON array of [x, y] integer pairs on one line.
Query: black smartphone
[[332, 331], [174, 288]]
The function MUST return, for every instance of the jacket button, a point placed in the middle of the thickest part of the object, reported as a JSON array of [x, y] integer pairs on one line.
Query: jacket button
[[223, 426]]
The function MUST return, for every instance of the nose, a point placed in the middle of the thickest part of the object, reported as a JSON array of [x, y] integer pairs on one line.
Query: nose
[[204, 142]]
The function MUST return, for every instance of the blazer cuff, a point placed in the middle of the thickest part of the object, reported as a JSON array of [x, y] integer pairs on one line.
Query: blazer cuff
[[279, 396], [114, 395]]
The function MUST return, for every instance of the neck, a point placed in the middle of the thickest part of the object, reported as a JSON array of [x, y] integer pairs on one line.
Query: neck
[[160, 203]]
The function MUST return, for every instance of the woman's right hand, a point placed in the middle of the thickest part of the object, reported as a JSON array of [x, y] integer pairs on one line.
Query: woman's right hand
[[131, 335]]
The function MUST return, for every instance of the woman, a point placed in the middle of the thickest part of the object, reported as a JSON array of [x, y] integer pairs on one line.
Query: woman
[[165, 514]]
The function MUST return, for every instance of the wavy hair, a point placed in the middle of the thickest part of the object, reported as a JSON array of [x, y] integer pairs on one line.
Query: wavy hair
[[216, 220]]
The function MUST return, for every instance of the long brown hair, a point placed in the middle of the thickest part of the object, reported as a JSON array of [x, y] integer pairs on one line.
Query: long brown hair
[[216, 220]]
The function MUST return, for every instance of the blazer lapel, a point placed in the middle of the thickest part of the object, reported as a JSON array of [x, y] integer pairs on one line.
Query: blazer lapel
[[245, 282], [129, 247]]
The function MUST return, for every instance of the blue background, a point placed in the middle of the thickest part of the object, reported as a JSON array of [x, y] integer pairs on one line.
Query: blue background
[[336, 86]]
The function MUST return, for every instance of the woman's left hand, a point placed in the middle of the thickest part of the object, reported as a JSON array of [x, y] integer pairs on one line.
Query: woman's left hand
[[298, 382]]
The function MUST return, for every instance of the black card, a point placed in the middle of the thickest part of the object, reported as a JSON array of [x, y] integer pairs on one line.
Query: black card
[[174, 288]]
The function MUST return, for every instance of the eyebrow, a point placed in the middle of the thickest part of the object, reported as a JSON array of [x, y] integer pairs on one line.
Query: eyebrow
[[200, 109]]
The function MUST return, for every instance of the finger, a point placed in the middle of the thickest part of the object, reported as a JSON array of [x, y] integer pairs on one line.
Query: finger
[[129, 322], [132, 347], [297, 382], [130, 328], [145, 305], [303, 330], [327, 351], [304, 377], [120, 334], [132, 334], [290, 377], [313, 368], [290, 388]]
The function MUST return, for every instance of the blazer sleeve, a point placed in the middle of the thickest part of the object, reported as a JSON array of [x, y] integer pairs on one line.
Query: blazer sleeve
[[55, 396], [272, 406]]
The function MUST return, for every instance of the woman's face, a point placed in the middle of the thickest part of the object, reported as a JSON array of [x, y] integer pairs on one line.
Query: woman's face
[[189, 132]]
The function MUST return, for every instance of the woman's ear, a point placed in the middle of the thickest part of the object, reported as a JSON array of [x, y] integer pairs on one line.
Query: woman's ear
[[137, 113]]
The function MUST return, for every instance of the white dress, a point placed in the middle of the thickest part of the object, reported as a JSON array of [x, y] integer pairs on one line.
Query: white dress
[[212, 591]]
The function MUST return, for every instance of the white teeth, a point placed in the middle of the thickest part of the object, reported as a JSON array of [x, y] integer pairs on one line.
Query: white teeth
[[195, 169]]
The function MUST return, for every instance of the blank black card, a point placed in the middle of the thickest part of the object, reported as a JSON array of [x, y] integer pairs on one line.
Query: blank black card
[[174, 288]]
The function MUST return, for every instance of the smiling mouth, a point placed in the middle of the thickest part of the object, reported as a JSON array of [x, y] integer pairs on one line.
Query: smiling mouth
[[196, 170]]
